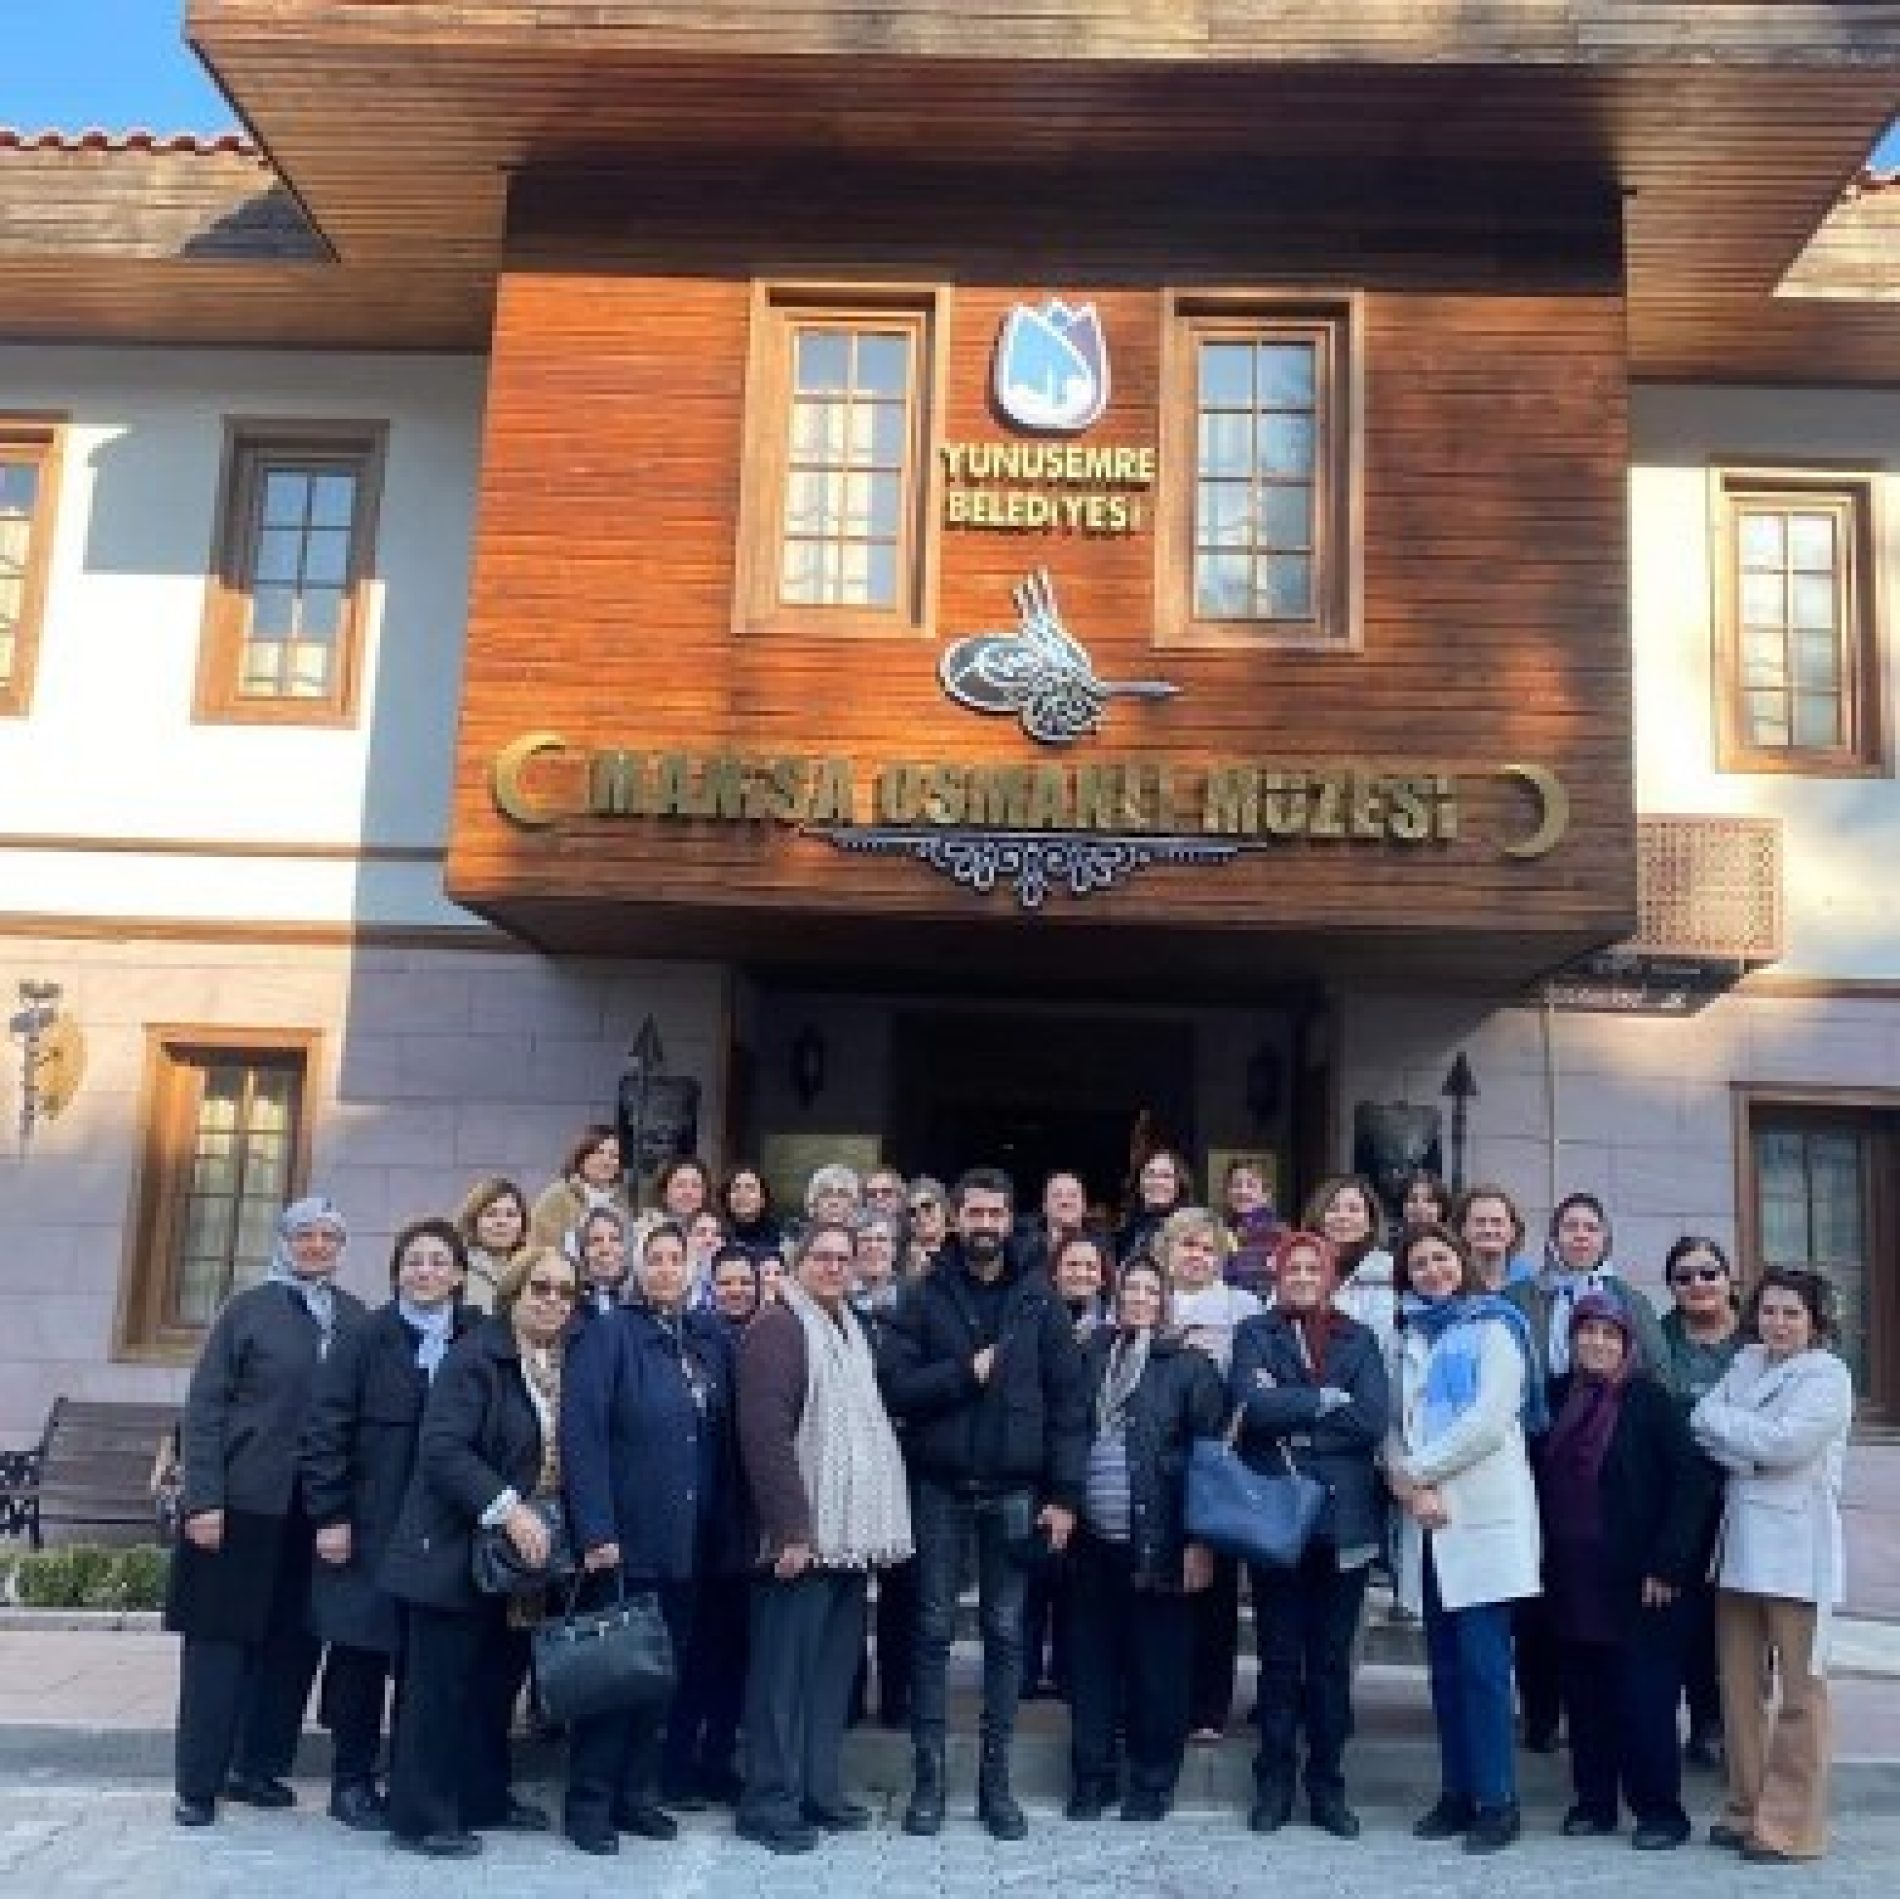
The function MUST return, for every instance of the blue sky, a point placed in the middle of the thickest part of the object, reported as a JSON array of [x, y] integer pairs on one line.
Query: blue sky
[[119, 64], [122, 63]]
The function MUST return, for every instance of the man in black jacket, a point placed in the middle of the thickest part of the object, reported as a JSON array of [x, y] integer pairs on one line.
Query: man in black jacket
[[981, 1364]]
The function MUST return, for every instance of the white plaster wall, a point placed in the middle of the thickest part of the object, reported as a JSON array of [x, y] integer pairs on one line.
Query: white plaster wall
[[1841, 836], [110, 747], [1644, 1107], [435, 1067]]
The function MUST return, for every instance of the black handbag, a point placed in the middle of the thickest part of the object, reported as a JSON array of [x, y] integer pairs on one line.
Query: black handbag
[[499, 1568], [1242, 1512], [603, 1661]]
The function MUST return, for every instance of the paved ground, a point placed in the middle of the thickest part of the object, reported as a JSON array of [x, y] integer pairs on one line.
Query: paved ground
[[61, 1840]]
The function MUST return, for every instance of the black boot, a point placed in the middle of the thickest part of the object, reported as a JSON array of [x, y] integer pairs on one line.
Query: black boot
[[995, 1805], [924, 1814], [1272, 1806]]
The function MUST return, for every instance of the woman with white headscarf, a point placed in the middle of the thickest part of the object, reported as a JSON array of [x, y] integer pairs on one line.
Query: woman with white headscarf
[[239, 1591]]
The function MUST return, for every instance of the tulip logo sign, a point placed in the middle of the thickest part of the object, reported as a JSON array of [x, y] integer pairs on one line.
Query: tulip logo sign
[[1052, 366]]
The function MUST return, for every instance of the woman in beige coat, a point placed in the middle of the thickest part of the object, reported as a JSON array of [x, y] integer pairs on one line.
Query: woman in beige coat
[[591, 1177], [1777, 1423]]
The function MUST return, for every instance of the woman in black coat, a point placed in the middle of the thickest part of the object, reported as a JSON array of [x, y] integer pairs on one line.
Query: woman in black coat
[[1150, 1395], [1311, 1386], [487, 1447], [359, 1453], [1625, 1497], [700, 1762], [239, 1589], [648, 1456]]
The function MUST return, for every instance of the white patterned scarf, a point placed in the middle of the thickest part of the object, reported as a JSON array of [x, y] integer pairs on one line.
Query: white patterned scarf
[[847, 1453]]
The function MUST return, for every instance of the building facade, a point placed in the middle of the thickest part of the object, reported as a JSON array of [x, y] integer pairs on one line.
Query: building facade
[[1191, 589]]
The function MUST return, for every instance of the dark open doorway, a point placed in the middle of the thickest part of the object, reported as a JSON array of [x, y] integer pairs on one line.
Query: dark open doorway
[[1035, 1092]]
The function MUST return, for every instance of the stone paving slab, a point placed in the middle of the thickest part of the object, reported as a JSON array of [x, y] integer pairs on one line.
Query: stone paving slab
[[77, 1704], [85, 1842]]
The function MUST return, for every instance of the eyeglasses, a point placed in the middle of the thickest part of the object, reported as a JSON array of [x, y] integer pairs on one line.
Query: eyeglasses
[[925, 1206], [827, 1259], [562, 1289], [1708, 1275]]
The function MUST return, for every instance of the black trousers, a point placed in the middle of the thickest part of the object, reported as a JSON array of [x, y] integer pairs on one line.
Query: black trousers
[[894, 1639], [702, 1726], [1129, 1651], [240, 1704], [1216, 1617], [807, 1642], [1621, 1700], [350, 1704], [1701, 1682], [449, 1770], [1046, 1616], [940, 1519], [613, 1760], [1534, 1660], [1305, 1620]]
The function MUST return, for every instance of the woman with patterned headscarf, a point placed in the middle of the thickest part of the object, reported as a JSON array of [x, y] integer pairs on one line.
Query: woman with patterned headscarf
[[239, 1591]]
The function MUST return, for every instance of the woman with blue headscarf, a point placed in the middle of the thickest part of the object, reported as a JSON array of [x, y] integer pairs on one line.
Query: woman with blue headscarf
[[239, 1591], [1465, 1395]]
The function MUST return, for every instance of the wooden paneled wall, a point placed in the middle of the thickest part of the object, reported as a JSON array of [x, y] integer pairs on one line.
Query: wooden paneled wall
[[1494, 614]]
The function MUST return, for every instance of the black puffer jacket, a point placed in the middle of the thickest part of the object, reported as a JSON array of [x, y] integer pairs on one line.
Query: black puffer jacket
[[1179, 1399], [1280, 1395], [1027, 1426]]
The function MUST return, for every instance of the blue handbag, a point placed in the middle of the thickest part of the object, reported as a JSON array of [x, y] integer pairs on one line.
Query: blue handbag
[[1242, 1512]]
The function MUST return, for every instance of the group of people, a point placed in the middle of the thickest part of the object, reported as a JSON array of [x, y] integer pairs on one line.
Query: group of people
[[763, 1424]]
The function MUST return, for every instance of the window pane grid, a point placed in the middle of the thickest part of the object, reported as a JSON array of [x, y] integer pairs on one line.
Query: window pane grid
[[19, 496], [239, 1176], [1793, 599], [298, 565], [1259, 426], [1811, 1203], [847, 468]]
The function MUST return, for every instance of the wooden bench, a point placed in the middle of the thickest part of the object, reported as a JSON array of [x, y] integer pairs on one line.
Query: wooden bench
[[89, 1479]]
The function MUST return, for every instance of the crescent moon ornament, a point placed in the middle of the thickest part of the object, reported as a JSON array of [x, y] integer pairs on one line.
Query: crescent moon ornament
[[1553, 804], [505, 776]]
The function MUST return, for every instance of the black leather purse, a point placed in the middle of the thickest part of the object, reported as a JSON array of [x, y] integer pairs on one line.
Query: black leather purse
[[603, 1661], [498, 1567]]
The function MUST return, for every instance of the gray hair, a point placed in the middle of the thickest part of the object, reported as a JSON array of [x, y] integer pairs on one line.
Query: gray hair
[[1183, 1221], [835, 1178], [886, 1223]]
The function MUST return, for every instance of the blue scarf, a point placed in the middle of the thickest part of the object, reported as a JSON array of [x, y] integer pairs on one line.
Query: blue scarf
[[436, 1329], [1564, 1289], [1454, 1328]]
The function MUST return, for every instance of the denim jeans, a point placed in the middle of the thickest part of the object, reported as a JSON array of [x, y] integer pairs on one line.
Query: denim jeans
[[941, 1518], [1469, 1654]]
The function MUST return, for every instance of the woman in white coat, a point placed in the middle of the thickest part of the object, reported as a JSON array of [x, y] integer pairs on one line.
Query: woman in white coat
[[1470, 1543], [1777, 1423]]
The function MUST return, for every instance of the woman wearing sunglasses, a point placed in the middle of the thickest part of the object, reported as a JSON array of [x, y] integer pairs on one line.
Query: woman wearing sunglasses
[[1703, 1330], [488, 1450]]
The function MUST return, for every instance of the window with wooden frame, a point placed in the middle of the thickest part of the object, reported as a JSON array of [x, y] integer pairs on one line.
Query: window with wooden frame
[[286, 617], [29, 481], [1258, 529], [226, 1146], [839, 466], [1820, 1189], [1797, 673]]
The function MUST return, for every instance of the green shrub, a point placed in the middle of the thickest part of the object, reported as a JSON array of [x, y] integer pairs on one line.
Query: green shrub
[[82, 1577]]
